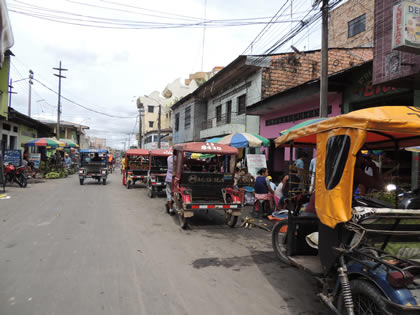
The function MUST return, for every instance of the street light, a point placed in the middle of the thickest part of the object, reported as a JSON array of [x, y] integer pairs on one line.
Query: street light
[[158, 117]]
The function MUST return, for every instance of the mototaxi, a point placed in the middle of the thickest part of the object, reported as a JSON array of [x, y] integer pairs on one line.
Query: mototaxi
[[358, 268], [203, 179], [93, 164], [136, 167], [158, 166]]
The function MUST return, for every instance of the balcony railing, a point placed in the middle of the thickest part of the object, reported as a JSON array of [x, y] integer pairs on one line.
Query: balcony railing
[[227, 118]]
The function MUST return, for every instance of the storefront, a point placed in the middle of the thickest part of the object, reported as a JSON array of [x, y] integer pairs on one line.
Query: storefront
[[285, 110]]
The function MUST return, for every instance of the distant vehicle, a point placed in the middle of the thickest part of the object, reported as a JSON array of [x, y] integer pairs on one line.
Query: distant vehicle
[[136, 167], [158, 165], [93, 164]]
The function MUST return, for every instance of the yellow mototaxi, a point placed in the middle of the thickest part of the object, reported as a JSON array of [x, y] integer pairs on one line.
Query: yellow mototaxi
[[358, 275]]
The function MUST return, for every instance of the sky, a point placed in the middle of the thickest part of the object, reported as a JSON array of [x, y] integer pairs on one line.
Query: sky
[[109, 68]]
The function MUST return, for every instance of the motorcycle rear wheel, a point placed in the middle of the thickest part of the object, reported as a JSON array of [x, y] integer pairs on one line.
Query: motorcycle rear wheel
[[21, 180], [367, 299]]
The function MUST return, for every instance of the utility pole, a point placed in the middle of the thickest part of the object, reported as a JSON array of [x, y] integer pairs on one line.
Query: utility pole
[[160, 106], [140, 107], [30, 82], [323, 102], [59, 97], [11, 92]]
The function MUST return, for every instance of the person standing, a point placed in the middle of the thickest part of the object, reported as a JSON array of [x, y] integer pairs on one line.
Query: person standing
[[168, 181], [67, 161], [300, 168]]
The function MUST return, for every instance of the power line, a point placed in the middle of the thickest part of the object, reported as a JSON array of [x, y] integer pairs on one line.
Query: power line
[[83, 106], [101, 22]]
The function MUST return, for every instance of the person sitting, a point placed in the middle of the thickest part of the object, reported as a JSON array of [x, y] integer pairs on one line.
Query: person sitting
[[364, 181], [279, 193], [263, 190]]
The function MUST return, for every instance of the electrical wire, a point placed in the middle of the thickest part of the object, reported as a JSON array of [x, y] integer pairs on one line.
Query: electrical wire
[[101, 22], [83, 106]]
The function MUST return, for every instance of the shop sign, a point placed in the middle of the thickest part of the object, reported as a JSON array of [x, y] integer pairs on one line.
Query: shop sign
[[12, 157], [36, 159], [255, 162], [365, 89], [406, 27]]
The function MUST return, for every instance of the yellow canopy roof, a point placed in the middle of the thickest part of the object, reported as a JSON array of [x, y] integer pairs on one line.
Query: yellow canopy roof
[[384, 124]]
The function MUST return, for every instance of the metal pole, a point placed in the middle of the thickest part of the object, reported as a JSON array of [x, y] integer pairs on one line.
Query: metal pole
[[140, 128], [323, 110], [10, 93], [59, 97], [159, 126], [31, 76]]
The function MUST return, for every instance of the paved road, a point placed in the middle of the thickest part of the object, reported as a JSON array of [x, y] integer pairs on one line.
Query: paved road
[[94, 249]]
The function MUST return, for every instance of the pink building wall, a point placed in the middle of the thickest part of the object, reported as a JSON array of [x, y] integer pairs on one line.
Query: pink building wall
[[272, 132], [281, 155]]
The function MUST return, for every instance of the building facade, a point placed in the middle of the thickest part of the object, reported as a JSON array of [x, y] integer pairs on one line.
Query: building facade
[[169, 96], [186, 119], [351, 24], [151, 139]]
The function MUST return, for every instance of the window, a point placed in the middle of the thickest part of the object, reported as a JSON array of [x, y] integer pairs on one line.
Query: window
[[294, 117], [155, 138], [228, 112], [357, 26], [219, 113], [150, 108], [187, 123], [337, 153], [241, 104], [176, 121], [151, 124]]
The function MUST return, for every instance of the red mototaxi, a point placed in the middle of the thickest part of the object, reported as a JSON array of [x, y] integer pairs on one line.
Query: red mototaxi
[[158, 166], [137, 170], [196, 188]]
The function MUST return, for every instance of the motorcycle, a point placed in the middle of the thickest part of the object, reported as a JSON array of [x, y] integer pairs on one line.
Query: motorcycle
[[15, 174]]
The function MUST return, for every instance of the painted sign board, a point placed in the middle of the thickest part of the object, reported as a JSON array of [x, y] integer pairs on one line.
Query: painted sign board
[[255, 162], [12, 157], [406, 27], [36, 159]]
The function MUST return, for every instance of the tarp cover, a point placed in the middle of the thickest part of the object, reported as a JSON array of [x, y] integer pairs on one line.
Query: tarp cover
[[384, 124], [206, 147], [137, 152]]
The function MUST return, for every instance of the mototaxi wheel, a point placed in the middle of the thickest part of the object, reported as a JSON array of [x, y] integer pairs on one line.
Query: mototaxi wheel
[[230, 219], [103, 181], [279, 240], [183, 221], [81, 181], [150, 192], [367, 299]]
